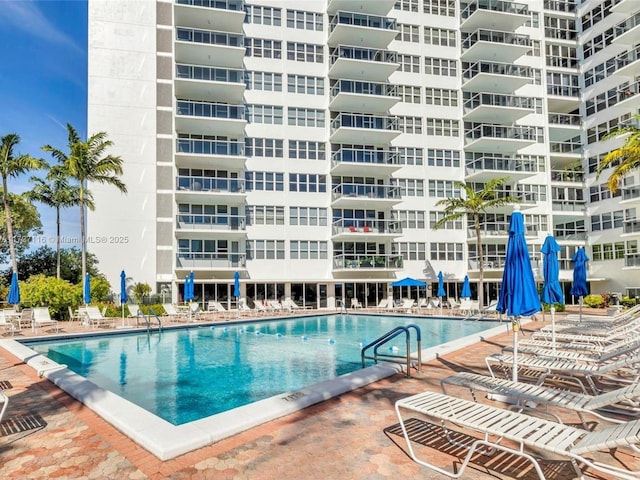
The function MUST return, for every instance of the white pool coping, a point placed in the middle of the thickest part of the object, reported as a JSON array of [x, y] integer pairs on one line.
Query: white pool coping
[[167, 441]]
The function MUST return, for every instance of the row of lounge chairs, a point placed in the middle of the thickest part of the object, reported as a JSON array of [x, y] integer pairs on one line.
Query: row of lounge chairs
[[590, 370], [35, 318]]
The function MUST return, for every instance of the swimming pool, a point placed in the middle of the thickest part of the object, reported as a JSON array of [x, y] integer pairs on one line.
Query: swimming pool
[[260, 371]]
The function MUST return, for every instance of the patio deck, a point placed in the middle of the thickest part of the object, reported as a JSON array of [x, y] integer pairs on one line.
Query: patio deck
[[47, 434]]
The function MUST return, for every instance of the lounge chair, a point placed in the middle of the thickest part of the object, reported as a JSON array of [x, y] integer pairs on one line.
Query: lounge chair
[[219, 308], [355, 303], [97, 319], [532, 435], [422, 305], [41, 318], [625, 400], [407, 305], [5, 403], [26, 317], [291, 305], [173, 313], [134, 310], [382, 306], [6, 323]]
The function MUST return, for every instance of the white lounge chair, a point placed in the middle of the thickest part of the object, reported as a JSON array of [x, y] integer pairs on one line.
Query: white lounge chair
[[382, 306], [531, 435], [625, 400], [6, 323], [41, 318], [96, 319], [175, 314], [355, 303], [134, 310], [5, 403]]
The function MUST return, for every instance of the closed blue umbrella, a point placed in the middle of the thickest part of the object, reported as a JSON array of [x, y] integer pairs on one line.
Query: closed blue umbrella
[[87, 289], [236, 284], [551, 290], [466, 288], [187, 295], [518, 293], [579, 287], [192, 285], [441, 292], [123, 292], [14, 290]]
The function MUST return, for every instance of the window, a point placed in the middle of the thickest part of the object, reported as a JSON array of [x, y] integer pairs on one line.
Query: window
[[441, 96], [264, 181], [608, 251], [304, 20], [601, 192], [446, 251], [408, 93], [439, 36], [435, 217], [409, 63], [443, 189], [263, 15], [443, 158], [440, 66], [411, 218], [406, 5], [264, 215], [308, 216], [408, 33], [410, 124], [595, 134], [264, 147], [263, 48], [410, 187], [265, 249], [305, 85], [604, 100], [305, 117], [410, 155], [307, 150], [607, 221], [412, 250], [269, 114], [305, 182], [440, 7], [442, 127], [308, 250], [270, 82], [305, 52]]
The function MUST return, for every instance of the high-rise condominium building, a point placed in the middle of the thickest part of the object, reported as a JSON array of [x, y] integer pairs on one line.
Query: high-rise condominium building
[[305, 144]]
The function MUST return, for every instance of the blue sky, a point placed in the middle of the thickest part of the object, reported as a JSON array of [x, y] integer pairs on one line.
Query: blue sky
[[43, 84]]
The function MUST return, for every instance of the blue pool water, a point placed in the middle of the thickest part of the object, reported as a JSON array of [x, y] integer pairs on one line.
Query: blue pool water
[[186, 374]]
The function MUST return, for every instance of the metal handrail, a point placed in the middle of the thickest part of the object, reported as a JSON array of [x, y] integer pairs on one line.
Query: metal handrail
[[391, 334]]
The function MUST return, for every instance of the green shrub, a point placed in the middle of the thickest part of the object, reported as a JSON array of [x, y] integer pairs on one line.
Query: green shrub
[[57, 294], [628, 302], [560, 307], [594, 301]]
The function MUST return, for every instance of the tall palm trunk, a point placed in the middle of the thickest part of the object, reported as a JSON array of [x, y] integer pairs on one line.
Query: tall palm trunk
[[480, 257], [7, 212], [83, 236], [58, 243]]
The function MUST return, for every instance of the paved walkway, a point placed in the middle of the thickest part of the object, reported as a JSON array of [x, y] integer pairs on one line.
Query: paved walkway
[[47, 434]]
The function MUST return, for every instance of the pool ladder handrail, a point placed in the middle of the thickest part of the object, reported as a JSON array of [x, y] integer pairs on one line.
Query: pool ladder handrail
[[390, 335], [147, 319]]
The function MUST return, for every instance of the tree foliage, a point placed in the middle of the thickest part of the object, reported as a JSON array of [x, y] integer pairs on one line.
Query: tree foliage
[[141, 291], [624, 159], [26, 225]]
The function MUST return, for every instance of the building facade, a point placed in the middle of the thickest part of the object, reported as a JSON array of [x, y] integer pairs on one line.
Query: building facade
[[305, 144]]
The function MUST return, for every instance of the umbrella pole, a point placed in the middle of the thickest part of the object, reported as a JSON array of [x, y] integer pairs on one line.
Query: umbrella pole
[[440, 302], [122, 315], [515, 326], [553, 328], [580, 307]]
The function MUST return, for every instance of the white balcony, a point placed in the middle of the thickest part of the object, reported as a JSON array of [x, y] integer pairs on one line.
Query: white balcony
[[495, 77], [362, 97], [493, 14], [210, 190], [499, 108], [363, 129], [366, 265], [379, 7], [626, 6], [196, 153], [627, 63], [361, 29], [563, 126], [205, 263], [566, 153], [204, 47], [563, 98], [359, 63], [499, 138], [494, 45], [357, 195], [206, 227], [630, 195], [205, 83], [365, 230], [487, 168], [357, 161], [627, 32], [223, 15], [205, 118]]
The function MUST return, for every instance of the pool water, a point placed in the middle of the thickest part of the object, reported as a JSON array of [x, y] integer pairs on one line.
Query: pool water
[[186, 374]]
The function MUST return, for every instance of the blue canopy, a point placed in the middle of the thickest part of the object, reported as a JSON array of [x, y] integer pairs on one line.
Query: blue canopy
[[408, 282], [188, 289], [236, 284], [466, 288], [518, 293], [551, 290], [14, 290], [87, 289], [579, 287], [441, 292], [123, 288]]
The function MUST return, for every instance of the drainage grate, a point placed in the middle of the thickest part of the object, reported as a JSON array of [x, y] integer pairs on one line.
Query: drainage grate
[[21, 423]]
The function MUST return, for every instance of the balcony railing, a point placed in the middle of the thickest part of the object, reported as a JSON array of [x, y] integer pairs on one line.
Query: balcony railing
[[209, 74], [565, 147], [563, 90], [493, 229], [235, 5], [362, 20], [631, 226], [210, 261], [365, 156], [210, 184], [492, 262], [561, 62], [559, 205], [210, 110], [357, 190], [210, 147], [209, 37], [503, 164], [631, 193], [186, 221], [506, 38], [499, 131], [564, 119], [493, 68], [358, 120], [570, 234], [493, 5], [628, 57], [524, 197], [343, 52], [567, 176], [364, 88], [382, 262], [366, 225], [560, 33], [567, 6], [498, 100], [628, 24]]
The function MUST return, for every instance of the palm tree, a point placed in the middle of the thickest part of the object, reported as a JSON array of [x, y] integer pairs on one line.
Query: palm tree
[[624, 159], [12, 165], [88, 162], [472, 204], [56, 192]]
